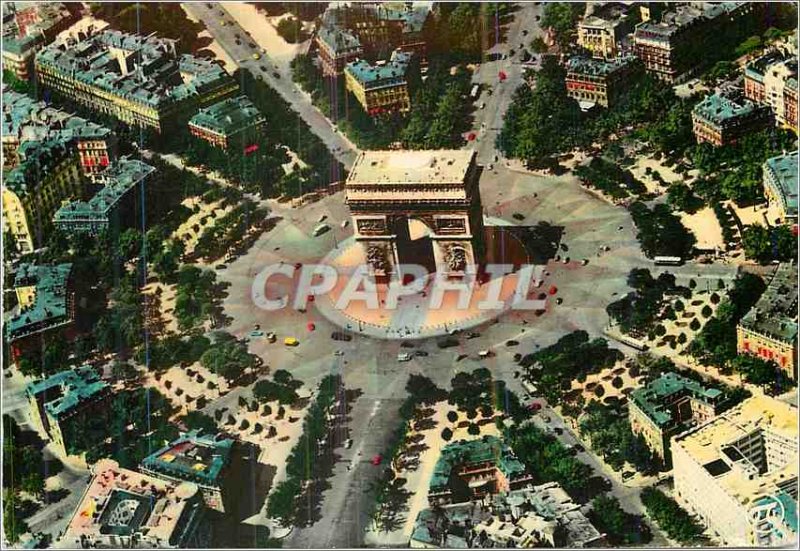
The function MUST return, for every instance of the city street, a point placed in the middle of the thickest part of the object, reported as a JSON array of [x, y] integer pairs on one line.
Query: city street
[[243, 54]]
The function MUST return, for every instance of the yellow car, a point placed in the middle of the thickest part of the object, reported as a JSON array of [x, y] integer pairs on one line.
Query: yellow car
[[222, 23], [256, 57], [290, 341]]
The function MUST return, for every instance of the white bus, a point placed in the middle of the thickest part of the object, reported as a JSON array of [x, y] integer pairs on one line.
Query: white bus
[[668, 261]]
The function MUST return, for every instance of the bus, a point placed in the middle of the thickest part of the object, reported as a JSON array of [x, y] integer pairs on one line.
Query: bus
[[668, 261], [475, 91]]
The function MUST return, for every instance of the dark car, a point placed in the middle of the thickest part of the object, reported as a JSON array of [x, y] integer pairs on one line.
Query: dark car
[[275, 74], [447, 342], [263, 68], [473, 335], [512, 342], [420, 353], [578, 448], [341, 336], [518, 216]]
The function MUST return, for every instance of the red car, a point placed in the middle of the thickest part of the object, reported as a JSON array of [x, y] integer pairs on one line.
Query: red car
[[377, 460], [534, 406]]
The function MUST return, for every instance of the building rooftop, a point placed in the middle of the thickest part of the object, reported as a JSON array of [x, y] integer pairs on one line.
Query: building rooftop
[[466, 452], [681, 16], [121, 506], [191, 457], [728, 106], [338, 30], [117, 180], [389, 73], [782, 171], [597, 67], [228, 116], [757, 68], [748, 472], [775, 313], [654, 399], [50, 307], [144, 69], [26, 119], [442, 166], [65, 391], [37, 159], [527, 516]]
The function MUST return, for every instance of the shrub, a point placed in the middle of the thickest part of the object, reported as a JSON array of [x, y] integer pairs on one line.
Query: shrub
[[616, 382], [452, 416], [714, 298], [599, 391], [679, 307], [447, 434], [695, 325], [706, 311], [474, 429], [682, 338], [245, 424]]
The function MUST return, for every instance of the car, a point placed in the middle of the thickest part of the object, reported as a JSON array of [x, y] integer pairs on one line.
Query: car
[[473, 335], [341, 336], [321, 229], [558, 430], [256, 56], [221, 266], [348, 443], [238, 42], [376, 460], [485, 353], [404, 357], [420, 353], [339, 353], [490, 166], [579, 448], [222, 22], [511, 342], [546, 418], [447, 342], [482, 105], [263, 68], [535, 406], [290, 341], [406, 344], [276, 74], [627, 474], [256, 334], [251, 44], [344, 223], [271, 336], [518, 216], [461, 357], [259, 77]]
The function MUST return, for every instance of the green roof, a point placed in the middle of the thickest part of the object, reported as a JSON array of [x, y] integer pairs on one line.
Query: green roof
[[655, 398], [68, 389], [156, 76], [466, 452], [50, 306], [597, 67], [192, 458], [731, 107], [390, 73], [119, 179], [31, 120], [775, 313], [19, 45], [38, 159], [781, 176], [228, 116]]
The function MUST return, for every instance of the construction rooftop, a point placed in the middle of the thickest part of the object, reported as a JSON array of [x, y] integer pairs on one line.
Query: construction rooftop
[[381, 74], [122, 507], [775, 313], [50, 307], [526, 517], [144, 69], [444, 166], [63, 392], [654, 398], [229, 116], [470, 452], [25, 119], [119, 179], [586, 66], [728, 107], [768, 470], [192, 457], [783, 177]]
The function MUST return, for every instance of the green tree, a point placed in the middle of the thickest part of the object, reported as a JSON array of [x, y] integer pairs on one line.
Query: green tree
[[291, 30], [676, 522], [13, 523]]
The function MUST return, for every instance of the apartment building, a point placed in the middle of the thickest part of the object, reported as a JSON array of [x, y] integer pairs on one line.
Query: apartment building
[[769, 329], [739, 473], [233, 121], [781, 184], [601, 32], [771, 79], [139, 80], [600, 82], [667, 406], [723, 118], [380, 87]]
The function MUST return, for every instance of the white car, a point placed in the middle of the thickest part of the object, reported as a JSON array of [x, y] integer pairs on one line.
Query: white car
[[348, 443], [319, 230], [404, 357]]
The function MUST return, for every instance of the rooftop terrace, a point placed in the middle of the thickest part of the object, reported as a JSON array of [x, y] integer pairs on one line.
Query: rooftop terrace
[[724, 107], [411, 167], [192, 457], [470, 452], [597, 67], [379, 75]]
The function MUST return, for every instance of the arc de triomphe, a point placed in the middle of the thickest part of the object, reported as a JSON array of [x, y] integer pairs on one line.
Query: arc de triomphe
[[386, 189]]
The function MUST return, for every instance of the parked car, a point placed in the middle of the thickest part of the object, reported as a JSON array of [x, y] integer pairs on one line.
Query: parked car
[[341, 336], [290, 341], [404, 357], [348, 443]]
